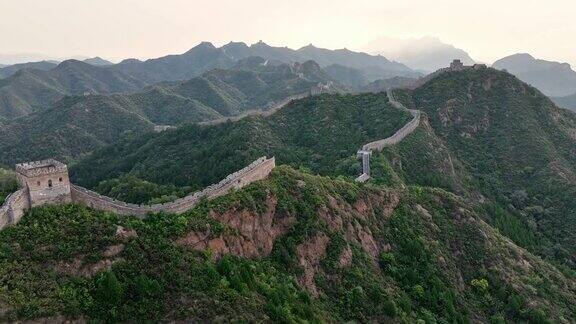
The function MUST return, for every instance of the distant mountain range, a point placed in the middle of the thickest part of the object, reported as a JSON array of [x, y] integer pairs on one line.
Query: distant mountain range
[[552, 78], [426, 54], [77, 125], [8, 70], [30, 90], [41, 65], [568, 102], [31, 87]]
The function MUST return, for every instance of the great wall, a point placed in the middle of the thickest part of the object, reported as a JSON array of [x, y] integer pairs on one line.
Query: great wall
[[257, 170], [47, 181], [366, 151]]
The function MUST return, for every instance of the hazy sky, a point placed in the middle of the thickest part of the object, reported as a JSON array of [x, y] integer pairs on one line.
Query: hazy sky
[[116, 29]]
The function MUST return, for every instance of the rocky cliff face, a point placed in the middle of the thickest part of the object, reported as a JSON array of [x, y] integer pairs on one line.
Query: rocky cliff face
[[430, 234]]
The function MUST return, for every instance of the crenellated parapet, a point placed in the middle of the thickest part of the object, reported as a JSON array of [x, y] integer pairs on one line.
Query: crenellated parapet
[[40, 168], [255, 171], [29, 196]]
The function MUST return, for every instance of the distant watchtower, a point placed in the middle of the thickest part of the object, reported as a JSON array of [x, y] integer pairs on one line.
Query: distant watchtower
[[47, 181], [456, 65]]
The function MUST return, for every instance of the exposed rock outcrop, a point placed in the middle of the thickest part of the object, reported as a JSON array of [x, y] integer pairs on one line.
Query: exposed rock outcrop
[[248, 234]]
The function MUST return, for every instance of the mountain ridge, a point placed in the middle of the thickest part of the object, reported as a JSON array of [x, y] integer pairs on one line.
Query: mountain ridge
[[21, 94], [555, 79], [216, 94]]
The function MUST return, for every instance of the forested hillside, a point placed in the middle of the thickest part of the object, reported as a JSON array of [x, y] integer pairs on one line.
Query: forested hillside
[[468, 219], [77, 125], [512, 144], [316, 249], [321, 133], [11, 69], [486, 136], [31, 87], [31, 90]]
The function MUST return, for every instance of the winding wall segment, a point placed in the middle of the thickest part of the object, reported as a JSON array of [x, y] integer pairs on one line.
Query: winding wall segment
[[18, 202], [366, 151], [257, 170]]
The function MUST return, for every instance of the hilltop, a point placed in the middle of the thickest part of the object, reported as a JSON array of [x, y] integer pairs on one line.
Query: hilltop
[[98, 61], [8, 70], [506, 141]]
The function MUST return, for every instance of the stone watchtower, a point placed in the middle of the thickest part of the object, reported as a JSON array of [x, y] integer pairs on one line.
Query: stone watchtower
[[456, 65], [46, 182]]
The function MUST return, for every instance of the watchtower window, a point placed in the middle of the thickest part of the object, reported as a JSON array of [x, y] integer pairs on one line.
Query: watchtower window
[[60, 179], [38, 183], [50, 183]]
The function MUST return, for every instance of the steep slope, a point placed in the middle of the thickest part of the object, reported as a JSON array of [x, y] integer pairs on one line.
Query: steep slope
[[552, 78], [517, 147], [321, 133], [218, 93], [292, 248], [11, 69], [32, 90]]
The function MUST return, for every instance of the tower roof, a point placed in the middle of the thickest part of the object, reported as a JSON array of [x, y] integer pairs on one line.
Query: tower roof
[[37, 168]]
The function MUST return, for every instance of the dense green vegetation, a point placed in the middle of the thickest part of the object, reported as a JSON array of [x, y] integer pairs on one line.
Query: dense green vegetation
[[31, 90], [435, 261], [131, 189], [77, 125], [458, 223], [8, 184], [321, 133], [485, 135], [508, 143]]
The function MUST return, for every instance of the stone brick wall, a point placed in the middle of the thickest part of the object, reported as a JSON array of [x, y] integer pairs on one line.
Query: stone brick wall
[[14, 207], [47, 181], [395, 138], [401, 133], [257, 170]]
